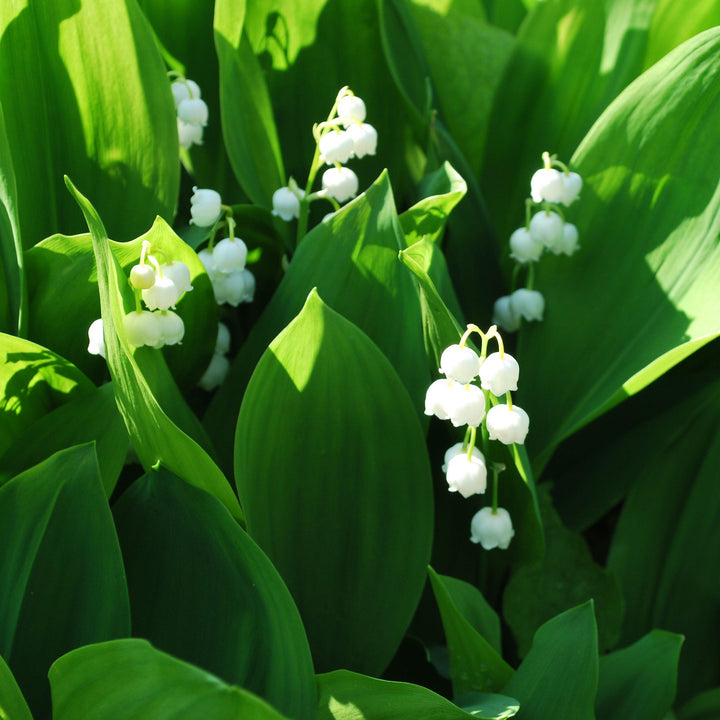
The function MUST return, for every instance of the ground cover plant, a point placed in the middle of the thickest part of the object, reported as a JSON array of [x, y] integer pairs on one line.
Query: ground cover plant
[[359, 359]]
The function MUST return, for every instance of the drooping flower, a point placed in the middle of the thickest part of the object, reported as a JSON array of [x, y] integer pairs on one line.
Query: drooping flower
[[467, 476], [527, 304], [547, 185], [492, 529], [340, 183], [96, 338], [499, 374], [459, 363], [351, 110], [524, 247], [504, 316], [286, 203], [508, 425], [205, 207]]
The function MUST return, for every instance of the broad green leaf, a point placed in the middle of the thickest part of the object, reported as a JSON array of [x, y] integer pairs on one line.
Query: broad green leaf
[[488, 705], [352, 260], [507, 14], [665, 546], [101, 111], [639, 681], [649, 258], [63, 579], [153, 434], [12, 702], [248, 126], [343, 427], [559, 676], [705, 706], [93, 416], [131, 680], [231, 613], [33, 382], [344, 695], [566, 576], [475, 665]]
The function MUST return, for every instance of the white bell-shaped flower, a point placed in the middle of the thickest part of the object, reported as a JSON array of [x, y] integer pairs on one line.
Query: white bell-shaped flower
[[569, 243], [142, 277], [184, 90], [468, 477], [507, 425], [492, 529], [143, 328], [163, 295], [498, 374], [436, 398], [179, 273], [216, 372], [546, 227], [364, 137], [465, 405], [351, 110], [96, 338], [336, 146], [230, 255], [222, 344], [206, 258], [193, 111], [286, 203], [172, 328], [547, 185], [189, 135], [205, 207], [459, 363], [240, 287], [504, 316], [524, 247], [340, 183], [219, 286], [572, 184], [456, 449], [527, 304]]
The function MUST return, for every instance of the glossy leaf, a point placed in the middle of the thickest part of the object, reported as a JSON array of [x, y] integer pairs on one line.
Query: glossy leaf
[[153, 434], [63, 578], [488, 705], [559, 677], [12, 702], [639, 681], [475, 665], [352, 260], [649, 257], [346, 695], [131, 679], [231, 613], [106, 96], [347, 450]]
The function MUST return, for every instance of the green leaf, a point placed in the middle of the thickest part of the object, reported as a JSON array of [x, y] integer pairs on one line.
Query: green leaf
[[559, 676], [704, 706], [567, 576], [475, 665], [93, 416], [12, 702], [101, 111], [248, 126], [343, 427], [649, 257], [488, 705], [63, 578], [352, 260], [639, 681], [131, 679], [33, 382], [153, 435], [346, 695], [231, 613]]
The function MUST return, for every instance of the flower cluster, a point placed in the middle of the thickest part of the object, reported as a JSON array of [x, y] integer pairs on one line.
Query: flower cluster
[[344, 135], [192, 112], [456, 398], [551, 186], [219, 365], [159, 286]]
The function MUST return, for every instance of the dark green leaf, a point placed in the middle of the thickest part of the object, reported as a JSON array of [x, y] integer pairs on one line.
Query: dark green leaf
[[12, 703], [705, 706]]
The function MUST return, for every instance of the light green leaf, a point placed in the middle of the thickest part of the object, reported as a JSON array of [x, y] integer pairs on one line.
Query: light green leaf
[[101, 110], [488, 705], [559, 677], [12, 702], [131, 679], [63, 579], [475, 665], [153, 435], [343, 428]]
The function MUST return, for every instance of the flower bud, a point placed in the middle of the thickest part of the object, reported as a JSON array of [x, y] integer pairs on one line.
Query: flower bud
[[546, 227], [457, 449], [336, 146], [340, 183], [527, 304], [179, 273], [569, 243], [364, 137], [205, 207], [189, 135], [143, 328], [507, 425], [504, 316], [499, 374], [351, 109], [465, 405], [468, 477], [163, 295], [460, 364], [193, 111], [572, 184], [492, 529], [172, 328], [142, 277], [216, 372], [184, 90], [524, 247], [96, 338], [222, 344], [547, 185], [229, 255], [286, 204]]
